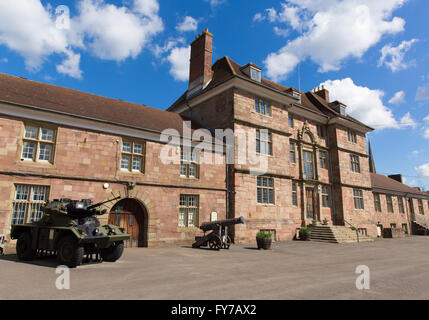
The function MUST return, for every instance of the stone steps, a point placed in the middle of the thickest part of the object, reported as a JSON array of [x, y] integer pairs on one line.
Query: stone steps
[[336, 234]]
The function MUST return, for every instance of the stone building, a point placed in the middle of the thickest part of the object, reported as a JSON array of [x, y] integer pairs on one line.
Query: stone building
[[61, 143], [318, 166]]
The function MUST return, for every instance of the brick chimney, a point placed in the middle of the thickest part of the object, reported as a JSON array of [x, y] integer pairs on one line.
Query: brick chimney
[[200, 72], [397, 177], [323, 93]]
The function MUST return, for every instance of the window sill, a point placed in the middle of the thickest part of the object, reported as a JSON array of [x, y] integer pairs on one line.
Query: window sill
[[189, 178], [266, 204], [40, 163], [261, 114]]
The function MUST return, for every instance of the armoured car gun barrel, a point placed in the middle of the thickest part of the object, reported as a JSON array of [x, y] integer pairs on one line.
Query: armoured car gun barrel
[[93, 206]]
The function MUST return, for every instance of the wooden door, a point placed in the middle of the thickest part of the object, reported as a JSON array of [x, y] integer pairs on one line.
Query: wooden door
[[309, 195], [128, 221]]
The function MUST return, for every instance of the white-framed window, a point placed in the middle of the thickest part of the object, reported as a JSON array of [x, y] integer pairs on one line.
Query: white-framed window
[[262, 107], [189, 163], [358, 199], [297, 95], [354, 163], [264, 142], [38, 144], [188, 211], [351, 135], [28, 202], [265, 190], [132, 156], [255, 74]]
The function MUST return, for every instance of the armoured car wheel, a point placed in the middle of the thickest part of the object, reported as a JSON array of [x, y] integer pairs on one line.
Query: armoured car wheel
[[113, 253], [69, 252], [24, 250]]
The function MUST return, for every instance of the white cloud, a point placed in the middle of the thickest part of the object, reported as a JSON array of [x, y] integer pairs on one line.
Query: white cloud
[[111, 32], [281, 32], [259, 17], [179, 60], [426, 133], [171, 43], [393, 57], [4, 60], [188, 24], [408, 121], [331, 31], [363, 103], [215, 3], [416, 152], [399, 97], [423, 93], [426, 119], [423, 170]]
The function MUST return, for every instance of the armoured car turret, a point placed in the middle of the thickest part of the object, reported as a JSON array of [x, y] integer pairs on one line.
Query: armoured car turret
[[71, 229]]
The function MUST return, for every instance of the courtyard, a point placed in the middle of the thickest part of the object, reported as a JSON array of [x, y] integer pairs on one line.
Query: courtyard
[[399, 269]]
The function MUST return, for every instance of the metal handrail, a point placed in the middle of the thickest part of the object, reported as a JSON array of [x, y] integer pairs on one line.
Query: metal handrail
[[357, 232]]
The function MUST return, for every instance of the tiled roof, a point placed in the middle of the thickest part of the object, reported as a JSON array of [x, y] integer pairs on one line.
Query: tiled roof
[[382, 182], [49, 97]]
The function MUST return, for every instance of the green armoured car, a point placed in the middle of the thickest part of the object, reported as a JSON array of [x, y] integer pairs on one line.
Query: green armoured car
[[71, 230]]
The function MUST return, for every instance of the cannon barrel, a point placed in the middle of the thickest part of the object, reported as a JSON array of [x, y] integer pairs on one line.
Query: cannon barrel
[[206, 226]]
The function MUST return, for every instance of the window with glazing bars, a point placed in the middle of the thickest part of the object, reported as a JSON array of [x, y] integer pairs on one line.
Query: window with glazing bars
[[321, 131], [308, 164], [401, 205], [188, 211], [292, 154], [290, 121], [38, 144], [352, 137], [389, 203], [28, 202], [421, 210], [264, 143], [323, 159], [265, 190], [354, 163], [325, 196], [358, 199], [132, 157], [377, 202], [262, 107], [189, 163], [294, 195]]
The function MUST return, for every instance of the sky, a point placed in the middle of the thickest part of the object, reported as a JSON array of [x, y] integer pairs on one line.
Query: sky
[[371, 55]]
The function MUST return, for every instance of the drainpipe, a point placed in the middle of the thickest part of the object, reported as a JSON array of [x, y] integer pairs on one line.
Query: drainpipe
[[408, 216], [331, 178]]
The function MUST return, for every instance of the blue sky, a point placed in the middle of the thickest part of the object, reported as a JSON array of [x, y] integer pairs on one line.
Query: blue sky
[[372, 55]]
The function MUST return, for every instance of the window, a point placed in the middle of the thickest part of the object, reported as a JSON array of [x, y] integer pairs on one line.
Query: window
[[290, 120], [323, 160], [189, 163], [358, 199], [377, 202], [421, 211], [265, 190], [393, 225], [354, 163], [308, 164], [401, 205], [389, 203], [325, 196], [262, 107], [255, 74], [28, 203], [321, 131], [405, 228], [188, 211], [38, 144], [294, 195], [297, 95], [352, 136], [132, 158], [264, 144], [292, 154]]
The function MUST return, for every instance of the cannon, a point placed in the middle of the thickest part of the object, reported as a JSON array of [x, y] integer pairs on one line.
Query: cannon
[[70, 229], [218, 237]]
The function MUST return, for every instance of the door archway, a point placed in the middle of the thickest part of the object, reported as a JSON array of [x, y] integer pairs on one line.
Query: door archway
[[131, 215]]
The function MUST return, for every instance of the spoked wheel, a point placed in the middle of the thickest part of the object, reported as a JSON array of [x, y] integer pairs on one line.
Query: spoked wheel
[[69, 252], [226, 243], [24, 250], [215, 243]]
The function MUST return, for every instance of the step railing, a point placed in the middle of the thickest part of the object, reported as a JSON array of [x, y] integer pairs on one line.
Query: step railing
[[357, 231]]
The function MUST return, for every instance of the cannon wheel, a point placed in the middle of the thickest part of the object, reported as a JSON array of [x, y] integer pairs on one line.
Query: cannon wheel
[[227, 242], [215, 243]]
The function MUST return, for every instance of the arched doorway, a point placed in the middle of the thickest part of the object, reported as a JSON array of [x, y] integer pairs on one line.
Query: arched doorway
[[131, 215]]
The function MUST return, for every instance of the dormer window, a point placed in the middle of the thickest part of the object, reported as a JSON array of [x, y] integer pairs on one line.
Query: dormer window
[[343, 110], [339, 107], [252, 71], [297, 95]]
